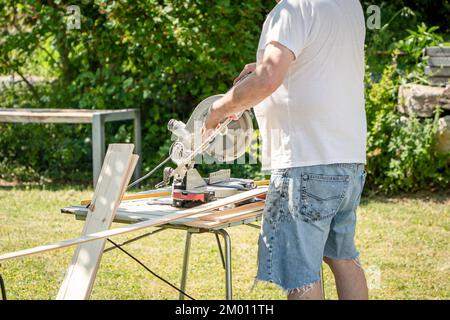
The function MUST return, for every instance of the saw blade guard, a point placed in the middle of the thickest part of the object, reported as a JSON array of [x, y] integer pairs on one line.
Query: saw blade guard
[[226, 147]]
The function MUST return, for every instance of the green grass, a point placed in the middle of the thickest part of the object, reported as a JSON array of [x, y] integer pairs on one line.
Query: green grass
[[404, 238]]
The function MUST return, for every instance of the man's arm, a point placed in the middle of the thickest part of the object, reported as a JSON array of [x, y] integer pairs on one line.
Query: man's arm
[[260, 84]]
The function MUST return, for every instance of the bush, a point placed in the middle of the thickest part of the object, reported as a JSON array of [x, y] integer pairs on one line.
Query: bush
[[166, 56], [163, 57], [401, 149]]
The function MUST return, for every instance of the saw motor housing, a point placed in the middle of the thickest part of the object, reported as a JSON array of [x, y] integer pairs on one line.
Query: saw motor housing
[[189, 188]]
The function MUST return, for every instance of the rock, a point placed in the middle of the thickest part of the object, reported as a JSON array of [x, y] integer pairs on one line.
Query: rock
[[438, 51], [439, 62], [443, 139], [423, 100], [439, 81], [440, 72]]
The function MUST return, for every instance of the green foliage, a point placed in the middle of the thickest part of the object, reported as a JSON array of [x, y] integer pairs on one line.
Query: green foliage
[[160, 56], [401, 149], [165, 56]]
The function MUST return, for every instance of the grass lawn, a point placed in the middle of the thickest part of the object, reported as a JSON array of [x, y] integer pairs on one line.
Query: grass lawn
[[404, 244]]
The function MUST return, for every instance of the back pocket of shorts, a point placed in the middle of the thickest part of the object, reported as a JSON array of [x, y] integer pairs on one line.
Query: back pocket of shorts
[[322, 195]]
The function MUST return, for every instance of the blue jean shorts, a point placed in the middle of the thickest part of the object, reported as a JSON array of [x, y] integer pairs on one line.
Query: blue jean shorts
[[310, 213]]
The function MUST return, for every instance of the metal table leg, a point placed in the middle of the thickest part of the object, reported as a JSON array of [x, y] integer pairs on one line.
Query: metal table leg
[[187, 248], [228, 283], [137, 142], [98, 145]]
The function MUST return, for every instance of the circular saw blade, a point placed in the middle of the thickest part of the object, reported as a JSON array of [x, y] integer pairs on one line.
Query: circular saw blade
[[233, 142]]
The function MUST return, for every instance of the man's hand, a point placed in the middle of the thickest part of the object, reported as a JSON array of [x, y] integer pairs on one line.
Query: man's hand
[[213, 119], [249, 68]]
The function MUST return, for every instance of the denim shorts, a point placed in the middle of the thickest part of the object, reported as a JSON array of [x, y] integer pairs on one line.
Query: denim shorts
[[310, 213]]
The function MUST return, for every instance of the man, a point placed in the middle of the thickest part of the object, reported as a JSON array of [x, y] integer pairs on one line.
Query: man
[[307, 90]]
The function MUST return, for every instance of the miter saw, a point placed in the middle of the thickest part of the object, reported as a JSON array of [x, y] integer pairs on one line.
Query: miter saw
[[228, 142]]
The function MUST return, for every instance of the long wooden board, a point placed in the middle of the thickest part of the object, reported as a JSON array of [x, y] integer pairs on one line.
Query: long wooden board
[[117, 169], [135, 196], [235, 212], [160, 194], [204, 224], [137, 226]]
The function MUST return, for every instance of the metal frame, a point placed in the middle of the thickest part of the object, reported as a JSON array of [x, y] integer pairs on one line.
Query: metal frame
[[226, 260], [97, 118], [225, 255], [98, 137]]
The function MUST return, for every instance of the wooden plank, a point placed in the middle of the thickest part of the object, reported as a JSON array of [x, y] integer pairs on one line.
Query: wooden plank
[[202, 224], [262, 183], [63, 112], [45, 116], [116, 172], [237, 211], [135, 196], [242, 217], [19, 115], [137, 226]]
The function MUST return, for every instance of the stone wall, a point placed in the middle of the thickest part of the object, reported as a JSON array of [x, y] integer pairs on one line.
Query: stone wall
[[423, 101]]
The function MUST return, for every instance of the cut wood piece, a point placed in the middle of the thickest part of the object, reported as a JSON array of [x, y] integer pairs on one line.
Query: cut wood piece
[[242, 217], [116, 172], [59, 115], [262, 183], [238, 211], [137, 226], [202, 224], [135, 197]]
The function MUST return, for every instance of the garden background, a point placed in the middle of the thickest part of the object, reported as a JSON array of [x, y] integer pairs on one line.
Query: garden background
[[164, 57]]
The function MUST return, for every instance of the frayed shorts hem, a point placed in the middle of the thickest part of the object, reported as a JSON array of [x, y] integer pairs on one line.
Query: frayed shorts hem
[[301, 288]]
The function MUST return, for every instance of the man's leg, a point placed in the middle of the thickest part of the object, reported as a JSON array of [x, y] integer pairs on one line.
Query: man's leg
[[350, 280], [312, 293]]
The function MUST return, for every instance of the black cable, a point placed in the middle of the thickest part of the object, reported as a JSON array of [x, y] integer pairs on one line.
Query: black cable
[[134, 239], [2, 285], [149, 270], [148, 174]]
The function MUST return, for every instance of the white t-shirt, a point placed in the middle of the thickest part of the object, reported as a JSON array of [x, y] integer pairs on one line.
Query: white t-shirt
[[317, 115]]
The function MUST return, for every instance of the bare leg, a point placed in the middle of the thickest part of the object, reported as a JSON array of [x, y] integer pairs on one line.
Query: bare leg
[[350, 280], [312, 293]]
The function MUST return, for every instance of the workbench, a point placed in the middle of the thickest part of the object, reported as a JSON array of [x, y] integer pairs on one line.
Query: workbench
[[216, 221], [95, 117]]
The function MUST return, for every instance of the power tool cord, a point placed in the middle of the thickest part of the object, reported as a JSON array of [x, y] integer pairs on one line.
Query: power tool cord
[[2, 285], [148, 174]]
